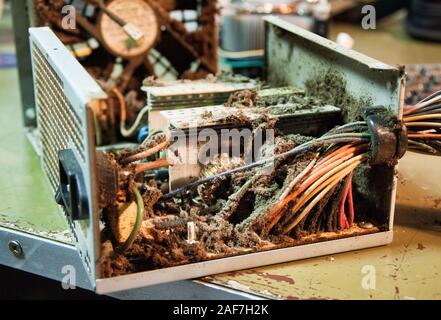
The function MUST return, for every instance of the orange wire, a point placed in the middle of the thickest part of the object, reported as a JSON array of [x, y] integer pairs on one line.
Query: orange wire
[[341, 154], [410, 109], [122, 104], [317, 173], [422, 117], [329, 156], [424, 124], [277, 211], [325, 186], [151, 165], [343, 220], [424, 135], [420, 105], [146, 153]]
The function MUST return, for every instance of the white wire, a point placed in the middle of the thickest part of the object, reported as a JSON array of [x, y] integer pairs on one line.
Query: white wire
[[129, 132]]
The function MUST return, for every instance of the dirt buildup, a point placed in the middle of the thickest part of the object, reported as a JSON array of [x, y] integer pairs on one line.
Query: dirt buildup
[[207, 115], [228, 215], [150, 197], [294, 104], [269, 187], [242, 99], [332, 88], [290, 141], [274, 102], [112, 264], [238, 213], [210, 192], [229, 77], [152, 142], [107, 178], [273, 96]]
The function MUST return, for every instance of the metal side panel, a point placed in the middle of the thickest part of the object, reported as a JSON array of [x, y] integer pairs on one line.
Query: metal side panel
[[200, 269], [64, 94], [295, 55], [42, 257]]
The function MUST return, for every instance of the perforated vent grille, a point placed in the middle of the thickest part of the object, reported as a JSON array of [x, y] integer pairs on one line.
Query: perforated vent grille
[[59, 125]]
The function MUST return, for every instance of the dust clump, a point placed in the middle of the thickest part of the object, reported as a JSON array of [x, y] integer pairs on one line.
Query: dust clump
[[332, 88]]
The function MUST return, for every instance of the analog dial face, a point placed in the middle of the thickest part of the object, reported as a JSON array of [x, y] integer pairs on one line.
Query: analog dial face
[[135, 12]]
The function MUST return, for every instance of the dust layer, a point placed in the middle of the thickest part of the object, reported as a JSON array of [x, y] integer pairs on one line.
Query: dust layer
[[332, 88], [229, 214]]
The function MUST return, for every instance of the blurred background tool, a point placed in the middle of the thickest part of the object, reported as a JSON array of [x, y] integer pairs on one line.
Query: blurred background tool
[[242, 29]]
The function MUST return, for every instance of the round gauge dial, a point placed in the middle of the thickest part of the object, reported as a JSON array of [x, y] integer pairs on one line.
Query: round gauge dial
[[136, 14]]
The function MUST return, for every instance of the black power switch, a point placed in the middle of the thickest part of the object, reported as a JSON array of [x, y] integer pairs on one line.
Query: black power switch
[[72, 193]]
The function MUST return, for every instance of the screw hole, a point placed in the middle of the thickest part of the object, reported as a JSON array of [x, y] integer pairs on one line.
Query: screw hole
[[16, 249]]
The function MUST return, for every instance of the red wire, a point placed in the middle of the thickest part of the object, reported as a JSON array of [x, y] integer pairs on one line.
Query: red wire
[[351, 202], [343, 220]]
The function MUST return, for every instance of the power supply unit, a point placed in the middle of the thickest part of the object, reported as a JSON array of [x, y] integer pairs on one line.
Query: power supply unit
[[354, 87]]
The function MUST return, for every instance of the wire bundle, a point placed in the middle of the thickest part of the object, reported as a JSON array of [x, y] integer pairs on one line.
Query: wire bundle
[[335, 156], [315, 184], [423, 121]]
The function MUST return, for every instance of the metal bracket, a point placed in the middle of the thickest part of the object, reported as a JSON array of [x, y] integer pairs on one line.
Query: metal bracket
[[388, 142]]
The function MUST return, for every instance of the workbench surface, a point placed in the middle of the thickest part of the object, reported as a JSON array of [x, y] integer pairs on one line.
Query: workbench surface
[[409, 268]]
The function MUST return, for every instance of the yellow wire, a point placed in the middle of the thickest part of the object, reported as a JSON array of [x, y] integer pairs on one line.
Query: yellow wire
[[423, 117]]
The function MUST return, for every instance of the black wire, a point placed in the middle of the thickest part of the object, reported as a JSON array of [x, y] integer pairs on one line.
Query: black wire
[[293, 152]]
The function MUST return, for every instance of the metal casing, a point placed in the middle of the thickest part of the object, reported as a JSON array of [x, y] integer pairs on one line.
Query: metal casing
[[302, 54], [64, 95]]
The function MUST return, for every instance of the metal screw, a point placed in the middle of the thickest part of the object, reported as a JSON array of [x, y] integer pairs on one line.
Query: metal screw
[[30, 113], [16, 249]]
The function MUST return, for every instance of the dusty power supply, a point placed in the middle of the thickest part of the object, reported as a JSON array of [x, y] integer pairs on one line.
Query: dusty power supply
[[336, 118]]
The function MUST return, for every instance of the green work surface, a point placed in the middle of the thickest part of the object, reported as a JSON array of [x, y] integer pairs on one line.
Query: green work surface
[[409, 268], [25, 197], [26, 201]]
